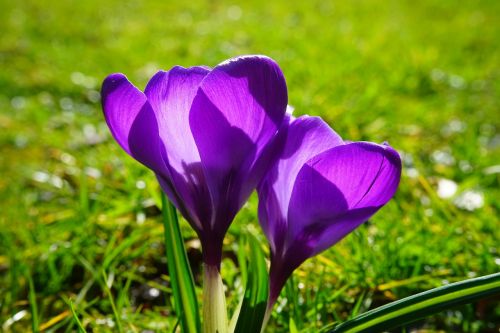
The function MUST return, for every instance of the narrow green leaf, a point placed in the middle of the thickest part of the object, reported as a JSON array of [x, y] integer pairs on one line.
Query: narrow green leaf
[[176, 325], [357, 306], [35, 322], [116, 314], [413, 308], [242, 260], [181, 277], [241, 255], [116, 251], [293, 301], [75, 317], [255, 299], [292, 326]]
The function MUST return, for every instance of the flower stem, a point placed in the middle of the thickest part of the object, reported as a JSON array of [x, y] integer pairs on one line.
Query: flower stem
[[214, 301], [267, 316]]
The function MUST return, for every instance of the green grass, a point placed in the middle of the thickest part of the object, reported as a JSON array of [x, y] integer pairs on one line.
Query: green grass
[[75, 209]]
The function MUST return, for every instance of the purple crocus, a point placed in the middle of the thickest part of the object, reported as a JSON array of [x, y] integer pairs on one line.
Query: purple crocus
[[319, 190], [208, 135]]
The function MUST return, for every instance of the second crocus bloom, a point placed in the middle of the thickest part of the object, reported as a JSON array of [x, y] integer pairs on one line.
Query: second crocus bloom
[[319, 190]]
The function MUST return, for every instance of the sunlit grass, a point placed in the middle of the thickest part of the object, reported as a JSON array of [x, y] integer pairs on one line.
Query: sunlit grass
[[422, 75]]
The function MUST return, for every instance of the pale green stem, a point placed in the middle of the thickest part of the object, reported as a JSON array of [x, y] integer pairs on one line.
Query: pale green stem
[[267, 316], [214, 302]]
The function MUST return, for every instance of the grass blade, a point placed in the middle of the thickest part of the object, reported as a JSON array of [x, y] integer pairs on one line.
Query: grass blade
[[413, 308], [254, 304], [242, 257], [181, 277], [81, 329], [293, 301], [116, 314], [35, 322]]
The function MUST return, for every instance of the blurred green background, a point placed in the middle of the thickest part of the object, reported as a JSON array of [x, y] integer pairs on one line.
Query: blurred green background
[[423, 75]]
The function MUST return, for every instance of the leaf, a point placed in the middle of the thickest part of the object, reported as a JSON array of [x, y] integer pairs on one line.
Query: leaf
[[413, 308], [35, 322], [81, 329], [254, 303], [293, 301], [116, 314], [358, 304], [181, 277], [292, 326], [241, 256]]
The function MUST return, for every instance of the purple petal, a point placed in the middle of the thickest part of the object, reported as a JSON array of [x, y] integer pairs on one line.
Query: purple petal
[[236, 112], [306, 138], [132, 121], [340, 189], [171, 95], [334, 192]]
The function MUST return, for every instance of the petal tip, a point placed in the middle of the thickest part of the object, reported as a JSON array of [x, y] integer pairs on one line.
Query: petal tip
[[111, 83], [113, 79], [247, 57], [253, 60], [190, 70], [392, 154]]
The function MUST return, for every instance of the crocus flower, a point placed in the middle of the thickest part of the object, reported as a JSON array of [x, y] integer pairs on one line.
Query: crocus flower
[[208, 135], [319, 190]]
